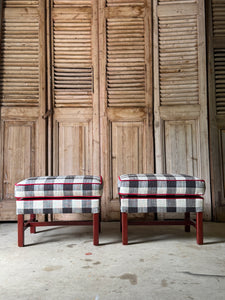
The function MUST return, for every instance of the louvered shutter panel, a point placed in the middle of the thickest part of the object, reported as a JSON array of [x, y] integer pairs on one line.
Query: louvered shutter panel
[[218, 20], [178, 60], [72, 55], [180, 89], [125, 62], [19, 64]]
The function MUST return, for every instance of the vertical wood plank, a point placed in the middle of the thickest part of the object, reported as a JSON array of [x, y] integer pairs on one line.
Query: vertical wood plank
[[96, 107], [203, 120]]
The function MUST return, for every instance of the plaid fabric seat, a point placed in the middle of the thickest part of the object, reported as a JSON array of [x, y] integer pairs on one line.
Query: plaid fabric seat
[[59, 186], [58, 195], [161, 193], [56, 206], [161, 205], [160, 184]]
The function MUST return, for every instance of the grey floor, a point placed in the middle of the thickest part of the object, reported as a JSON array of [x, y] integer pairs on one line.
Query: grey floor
[[159, 263]]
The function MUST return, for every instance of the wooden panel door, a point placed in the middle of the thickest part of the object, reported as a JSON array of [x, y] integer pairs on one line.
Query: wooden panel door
[[22, 97], [74, 87], [125, 94], [181, 129], [73, 90], [216, 75]]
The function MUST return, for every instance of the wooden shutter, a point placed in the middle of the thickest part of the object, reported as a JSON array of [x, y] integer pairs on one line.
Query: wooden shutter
[[178, 60], [216, 85], [125, 71], [22, 98], [74, 87], [125, 94], [219, 67], [180, 90]]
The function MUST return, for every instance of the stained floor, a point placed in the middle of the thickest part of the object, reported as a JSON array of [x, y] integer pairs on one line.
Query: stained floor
[[159, 263]]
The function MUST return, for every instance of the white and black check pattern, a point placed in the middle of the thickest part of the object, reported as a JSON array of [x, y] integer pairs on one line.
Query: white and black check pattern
[[160, 184], [59, 186], [57, 206], [161, 205]]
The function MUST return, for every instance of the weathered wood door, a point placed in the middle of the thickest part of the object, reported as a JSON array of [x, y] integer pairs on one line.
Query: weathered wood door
[[125, 94], [181, 133], [73, 91], [22, 104], [73, 88], [216, 75]]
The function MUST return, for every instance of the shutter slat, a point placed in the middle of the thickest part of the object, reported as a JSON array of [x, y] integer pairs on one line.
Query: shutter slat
[[166, 2], [20, 3], [71, 3], [125, 2]]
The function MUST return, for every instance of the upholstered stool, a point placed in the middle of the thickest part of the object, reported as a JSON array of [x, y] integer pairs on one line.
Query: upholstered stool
[[161, 193], [58, 195]]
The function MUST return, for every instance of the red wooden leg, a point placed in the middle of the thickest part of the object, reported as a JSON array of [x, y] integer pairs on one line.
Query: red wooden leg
[[124, 229], [187, 222], [199, 228], [99, 225], [20, 225], [32, 219], [96, 229]]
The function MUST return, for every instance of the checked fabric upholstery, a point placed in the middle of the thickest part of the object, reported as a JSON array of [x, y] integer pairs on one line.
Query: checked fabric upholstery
[[59, 186], [51, 195], [58, 194], [161, 205], [56, 206], [160, 184], [160, 193]]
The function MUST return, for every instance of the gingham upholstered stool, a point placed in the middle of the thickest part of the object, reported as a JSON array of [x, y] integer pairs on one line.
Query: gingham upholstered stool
[[161, 193], [58, 195]]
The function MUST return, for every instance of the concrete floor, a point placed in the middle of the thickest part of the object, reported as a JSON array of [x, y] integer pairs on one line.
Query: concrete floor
[[160, 263]]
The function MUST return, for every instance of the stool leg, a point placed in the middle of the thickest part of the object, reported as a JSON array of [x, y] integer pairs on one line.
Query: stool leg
[[187, 222], [199, 228], [124, 229], [32, 219], [20, 228], [120, 222], [100, 220], [96, 229]]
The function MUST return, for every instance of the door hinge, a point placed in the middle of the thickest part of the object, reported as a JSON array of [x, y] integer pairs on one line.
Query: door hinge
[[47, 114]]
